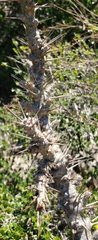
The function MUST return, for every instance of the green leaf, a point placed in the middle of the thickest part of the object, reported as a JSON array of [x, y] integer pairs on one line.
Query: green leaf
[[15, 50], [15, 42]]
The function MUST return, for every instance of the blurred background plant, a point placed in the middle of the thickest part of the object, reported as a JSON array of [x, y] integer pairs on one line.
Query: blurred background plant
[[10, 27]]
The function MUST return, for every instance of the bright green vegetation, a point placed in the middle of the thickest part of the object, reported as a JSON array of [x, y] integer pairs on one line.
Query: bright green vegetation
[[18, 218]]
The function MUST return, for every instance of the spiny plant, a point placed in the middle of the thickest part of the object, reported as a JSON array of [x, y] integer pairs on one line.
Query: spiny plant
[[55, 168]]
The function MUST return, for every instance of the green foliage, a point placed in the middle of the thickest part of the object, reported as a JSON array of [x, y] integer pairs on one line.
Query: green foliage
[[9, 130], [8, 30], [18, 218], [77, 95]]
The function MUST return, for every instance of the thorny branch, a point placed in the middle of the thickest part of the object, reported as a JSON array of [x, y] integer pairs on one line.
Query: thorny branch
[[53, 168]]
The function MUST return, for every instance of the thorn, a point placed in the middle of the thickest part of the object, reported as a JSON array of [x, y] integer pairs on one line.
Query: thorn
[[21, 110], [12, 113], [19, 135], [17, 78]]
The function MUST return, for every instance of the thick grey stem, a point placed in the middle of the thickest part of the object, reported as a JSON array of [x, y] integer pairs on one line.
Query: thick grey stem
[[53, 167]]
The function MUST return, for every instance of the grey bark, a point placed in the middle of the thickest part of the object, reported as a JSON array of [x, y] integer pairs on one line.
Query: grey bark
[[54, 164]]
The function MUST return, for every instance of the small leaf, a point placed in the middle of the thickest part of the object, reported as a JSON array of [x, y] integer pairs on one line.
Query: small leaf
[[15, 50], [15, 42]]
